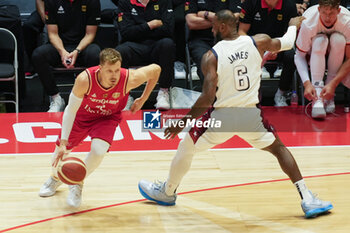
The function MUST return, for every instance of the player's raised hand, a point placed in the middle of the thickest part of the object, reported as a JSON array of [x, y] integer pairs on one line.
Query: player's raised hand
[[296, 21]]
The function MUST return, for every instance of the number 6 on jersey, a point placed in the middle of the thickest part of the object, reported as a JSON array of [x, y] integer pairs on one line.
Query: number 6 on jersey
[[241, 79]]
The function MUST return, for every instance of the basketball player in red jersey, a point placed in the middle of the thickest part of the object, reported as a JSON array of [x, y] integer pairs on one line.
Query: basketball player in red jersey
[[99, 95]]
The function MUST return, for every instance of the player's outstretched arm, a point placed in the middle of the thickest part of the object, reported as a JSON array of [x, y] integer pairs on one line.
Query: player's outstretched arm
[[150, 75], [286, 42]]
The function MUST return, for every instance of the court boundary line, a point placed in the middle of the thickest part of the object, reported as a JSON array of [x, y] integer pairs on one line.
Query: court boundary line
[[172, 150], [183, 193]]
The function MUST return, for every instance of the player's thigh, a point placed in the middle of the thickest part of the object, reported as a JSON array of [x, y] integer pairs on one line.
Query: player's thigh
[[104, 129], [77, 135], [210, 139], [246, 123]]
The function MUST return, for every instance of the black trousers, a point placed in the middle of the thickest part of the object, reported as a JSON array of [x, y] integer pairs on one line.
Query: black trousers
[[46, 56], [32, 28], [161, 52], [179, 32], [287, 59], [198, 47]]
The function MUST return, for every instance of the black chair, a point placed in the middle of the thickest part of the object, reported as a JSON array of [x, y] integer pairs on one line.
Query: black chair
[[189, 61], [9, 70]]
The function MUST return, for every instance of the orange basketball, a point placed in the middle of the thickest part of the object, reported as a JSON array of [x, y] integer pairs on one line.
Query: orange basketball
[[71, 170]]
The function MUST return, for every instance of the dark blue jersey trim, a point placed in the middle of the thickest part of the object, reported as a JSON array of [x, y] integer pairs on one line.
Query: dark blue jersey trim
[[253, 41], [214, 52]]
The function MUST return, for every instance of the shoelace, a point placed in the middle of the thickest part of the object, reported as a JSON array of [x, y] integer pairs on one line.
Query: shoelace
[[179, 67], [158, 184], [47, 183], [316, 199], [76, 189], [50, 181]]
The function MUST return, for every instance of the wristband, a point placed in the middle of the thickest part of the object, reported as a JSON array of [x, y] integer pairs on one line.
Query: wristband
[[288, 39], [78, 50]]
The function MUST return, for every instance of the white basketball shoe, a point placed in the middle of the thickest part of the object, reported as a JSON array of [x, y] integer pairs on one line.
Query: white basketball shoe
[[156, 192], [318, 110], [74, 195], [49, 187], [315, 206]]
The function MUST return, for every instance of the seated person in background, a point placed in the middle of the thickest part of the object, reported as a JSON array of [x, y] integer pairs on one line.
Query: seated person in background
[[324, 35], [71, 26], [302, 5], [199, 17], [271, 17], [146, 29], [32, 28]]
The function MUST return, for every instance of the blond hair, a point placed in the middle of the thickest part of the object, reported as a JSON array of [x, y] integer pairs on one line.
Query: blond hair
[[331, 3], [110, 55]]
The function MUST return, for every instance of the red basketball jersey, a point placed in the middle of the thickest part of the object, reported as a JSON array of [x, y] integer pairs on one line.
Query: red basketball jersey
[[100, 102]]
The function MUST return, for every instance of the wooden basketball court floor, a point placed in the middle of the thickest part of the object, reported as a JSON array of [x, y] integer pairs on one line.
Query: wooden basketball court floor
[[232, 190]]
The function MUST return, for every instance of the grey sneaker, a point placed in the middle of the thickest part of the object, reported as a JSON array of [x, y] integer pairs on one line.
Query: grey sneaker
[[329, 106], [49, 187], [315, 207], [163, 101], [129, 103], [74, 196], [57, 104], [280, 100], [179, 70], [156, 192]]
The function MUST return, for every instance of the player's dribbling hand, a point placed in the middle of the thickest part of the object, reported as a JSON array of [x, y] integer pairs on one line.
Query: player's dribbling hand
[[137, 105], [62, 151], [296, 21]]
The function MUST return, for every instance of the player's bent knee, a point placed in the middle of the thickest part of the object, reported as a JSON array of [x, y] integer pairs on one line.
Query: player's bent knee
[[320, 44], [275, 148], [99, 147], [337, 39], [187, 146]]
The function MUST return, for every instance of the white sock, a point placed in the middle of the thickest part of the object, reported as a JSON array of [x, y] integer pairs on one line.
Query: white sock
[[180, 165], [170, 188], [304, 192]]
